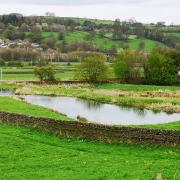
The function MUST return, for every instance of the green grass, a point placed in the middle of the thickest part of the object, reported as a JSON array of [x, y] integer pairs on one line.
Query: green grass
[[76, 36], [67, 75], [174, 34], [8, 104], [46, 34], [64, 72], [132, 87], [107, 43], [31, 154], [168, 126]]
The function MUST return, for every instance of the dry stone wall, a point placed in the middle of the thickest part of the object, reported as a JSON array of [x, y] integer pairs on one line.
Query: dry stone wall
[[95, 132]]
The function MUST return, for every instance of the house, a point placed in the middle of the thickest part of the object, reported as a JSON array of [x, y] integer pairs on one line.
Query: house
[[35, 45]]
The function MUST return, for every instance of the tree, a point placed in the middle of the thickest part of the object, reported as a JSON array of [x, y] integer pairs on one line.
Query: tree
[[141, 45], [49, 42], [61, 35], [128, 65], [117, 33], [45, 73], [160, 70], [35, 37], [93, 68]]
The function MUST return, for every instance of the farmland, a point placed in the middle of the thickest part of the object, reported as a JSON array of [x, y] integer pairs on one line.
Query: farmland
[[65, 71], [103, 42], [88, 99], [29, 153]]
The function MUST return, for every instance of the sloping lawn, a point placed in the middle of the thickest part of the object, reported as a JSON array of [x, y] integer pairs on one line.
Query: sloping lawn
[[31, 154]]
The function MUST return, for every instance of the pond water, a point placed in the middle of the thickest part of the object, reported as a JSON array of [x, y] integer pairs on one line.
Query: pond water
[[100, 113], [6, 93]]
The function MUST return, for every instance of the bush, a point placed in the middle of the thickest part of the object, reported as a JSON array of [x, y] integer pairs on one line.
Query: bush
[[93, 68], [160, 70], [15, 64], [2, 62], [45, 73]]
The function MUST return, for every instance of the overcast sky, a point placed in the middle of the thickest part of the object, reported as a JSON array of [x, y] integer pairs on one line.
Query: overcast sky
[[141, 10]]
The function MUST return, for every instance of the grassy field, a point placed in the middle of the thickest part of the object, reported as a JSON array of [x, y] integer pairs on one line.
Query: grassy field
[[107, 43], [175, 34], [17, 106], [32, 154], [132, 87], [102, 42], [64, 72]]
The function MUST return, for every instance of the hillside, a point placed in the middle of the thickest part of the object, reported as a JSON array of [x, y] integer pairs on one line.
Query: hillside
[[133, 42]]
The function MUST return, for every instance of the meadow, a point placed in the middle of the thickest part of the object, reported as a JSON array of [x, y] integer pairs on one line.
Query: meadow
[[31, 154], [64, 71], [103, 42]]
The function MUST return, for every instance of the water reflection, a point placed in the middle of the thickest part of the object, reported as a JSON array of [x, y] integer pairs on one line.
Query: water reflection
[[90, 104], [4, 92], [139, 112]]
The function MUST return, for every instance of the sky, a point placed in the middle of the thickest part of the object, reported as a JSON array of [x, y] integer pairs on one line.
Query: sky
[[145, 11]]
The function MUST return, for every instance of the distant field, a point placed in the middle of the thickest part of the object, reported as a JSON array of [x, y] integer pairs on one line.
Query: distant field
[[103, 43], [175, 34], [97, 21], [64, 72], [31, 154], [108, 43]]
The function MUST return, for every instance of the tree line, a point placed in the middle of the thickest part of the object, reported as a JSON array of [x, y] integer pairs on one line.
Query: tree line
[[161, 67]]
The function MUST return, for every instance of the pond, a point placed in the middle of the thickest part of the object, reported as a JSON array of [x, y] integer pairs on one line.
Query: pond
[[100, 113]]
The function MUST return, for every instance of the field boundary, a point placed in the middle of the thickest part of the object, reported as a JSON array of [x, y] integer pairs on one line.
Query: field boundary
[[94, 131], [37, 82]]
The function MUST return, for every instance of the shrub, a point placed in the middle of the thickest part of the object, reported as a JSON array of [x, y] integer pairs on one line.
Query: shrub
[[15, 64], [45, 73], [160, 70], [2, 62], [93, 68]]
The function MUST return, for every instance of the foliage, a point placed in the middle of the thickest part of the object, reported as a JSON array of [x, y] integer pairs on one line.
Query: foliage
[[45, 72], [2, 62], [128, 65], [15, 64], [93, 68], [35, 37], [160, 70]]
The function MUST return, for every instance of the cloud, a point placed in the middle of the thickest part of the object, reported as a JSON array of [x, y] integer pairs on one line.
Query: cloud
[[142, 10], [70, 2], [159, 3]]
